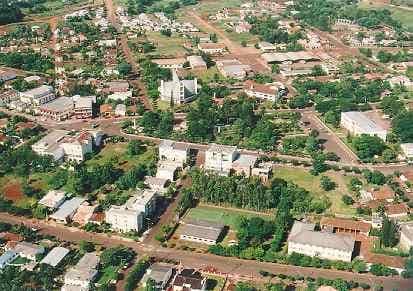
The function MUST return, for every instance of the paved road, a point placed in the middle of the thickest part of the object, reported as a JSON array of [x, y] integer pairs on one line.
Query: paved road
[[233, 266]]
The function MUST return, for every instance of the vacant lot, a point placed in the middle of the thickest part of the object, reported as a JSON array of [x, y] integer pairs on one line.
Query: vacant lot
[[304, 179], [228, 217], [13, 191], [167, 46]]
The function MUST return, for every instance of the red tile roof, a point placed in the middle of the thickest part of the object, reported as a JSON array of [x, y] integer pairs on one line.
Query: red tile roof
[[354, 225]]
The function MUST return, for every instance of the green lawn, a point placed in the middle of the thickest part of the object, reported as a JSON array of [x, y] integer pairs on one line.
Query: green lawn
[[311, 183], [57, 7], [20, 261], [108, 274], [167, 46], [226, 216], [213, 6]]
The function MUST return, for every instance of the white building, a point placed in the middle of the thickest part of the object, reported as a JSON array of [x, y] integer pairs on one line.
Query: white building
[[358, 123], [406, 236], [67, 210], [211, 48], [38, 96], [178, 91], [197, 63], [53, 199], [219, 158], [160, 273], [401, 81], [55, 256], [124, 219], [173, 151], [28, 250], [263, 92], [144, 201], [156, 184], [6, 258], [407, 149], [82, 274], [304, 240], [168, 170], [120, 110]]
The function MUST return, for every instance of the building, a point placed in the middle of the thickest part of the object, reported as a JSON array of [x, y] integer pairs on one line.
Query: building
[[406, 236], [397, 211], [244, 164], [144, 201], [219, 158], [178, 91], [278, 58], [177, 63], [38, 96], [304, 240], [67, 210], [82, 274], [211, 48], [7, 97], [266, 47], [201, 231], [233, 69], [401, 81], [124, 219], [407, 149], [58, 109], [197, 63], [28, 250], [263, 171], [7, 75], [55, 256], [53, 199], [84, 106], [84, 213], [168, 170], [106, 110], [6, 258], [157, 184], [358, 123], [120, 110], [263, 92], [189, 280], [384, 193], [173, 151], [116, 87], [335, 225], [160, 273]]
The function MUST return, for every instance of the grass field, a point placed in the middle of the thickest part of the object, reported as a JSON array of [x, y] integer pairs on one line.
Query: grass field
[[213, 6], [117, 152], [403, 15], [108, 274], [226, 216], [312, 183], [58, 7], [167, 46]]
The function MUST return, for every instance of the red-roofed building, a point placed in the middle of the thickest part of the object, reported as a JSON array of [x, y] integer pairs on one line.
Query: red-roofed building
[[345, 225], [397, 211]]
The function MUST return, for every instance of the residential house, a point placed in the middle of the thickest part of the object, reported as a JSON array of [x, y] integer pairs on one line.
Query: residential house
[[7, 75], [178, 91], [38, 96], [84, 213], [401, 81], [156, 184], [84, 106], [196, 63], [304, 240], [211, 48], [82, 274], [337, 225], [263, 171], [53, 199], [270, 92], [201, 231], [244, 164], [160, 273], [189, 280], [397, 211], [407, 149], [144, 201], [233, 69], [384, 193], [58, 109], [67, 210], [358, 123], [106, 110], [168, 169], [28, 250], [55, 256], [219, 158], [116, 87], [120, 96], [266, 47], [173, 151], [177, 63], [406, 236], [124, 219], [6, 258], [120, 110]]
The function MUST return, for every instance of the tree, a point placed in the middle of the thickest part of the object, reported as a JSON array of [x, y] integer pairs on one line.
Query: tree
[[319, 165], [402, 126], [327, 184], [368, 146], [213, 37], [86, 246], [124, 68], [389, 155], [116, 256], [151, 285], [388, 236], [135, 147], [359, 266], [9, 12], [317, 70], [347, 199], [375, 177]]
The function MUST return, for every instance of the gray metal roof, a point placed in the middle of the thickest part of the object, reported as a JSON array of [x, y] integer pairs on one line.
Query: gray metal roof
[[59, 104], [202, 229], [68, 208], [55, 256], [363, 121]]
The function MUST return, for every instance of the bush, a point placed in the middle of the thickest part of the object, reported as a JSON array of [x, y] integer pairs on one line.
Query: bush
[[348, 200]]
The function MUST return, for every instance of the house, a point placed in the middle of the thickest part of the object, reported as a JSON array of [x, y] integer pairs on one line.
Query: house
[[168, 170], [397, 211], [407, 149], [84, 106], [304, 240], [266, 46], [196, 63], [120, 96], [82, 274], [144, 201], [406, 236], [201, 231], [120, 110], [7, 75], [38, 96], [8, 96], [160, 273], [53, 199], [401, 81], [242, 27], [55, 256], [337, 225], [58, 109], [67, 210], [49, 145], [106, 110], [109, 43], [233, 69], [189, 280], [178, 91], [219, 158], [263, 171], [28, 250], [384, 193], [177, 63], [211, 48], [84, 213], [264, 92], [244, 164], [156, 184], [173, 151], [294, 57], [124, 219], [6, 258], [358, 123]]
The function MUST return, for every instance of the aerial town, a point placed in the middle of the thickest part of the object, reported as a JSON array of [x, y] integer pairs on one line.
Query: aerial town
[[206, 145]]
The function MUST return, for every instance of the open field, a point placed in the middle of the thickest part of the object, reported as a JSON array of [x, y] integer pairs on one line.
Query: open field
[[226, 216], [167, 46], [58, 7], [311, 183], [405, 16], [12, 190], [212, 6]]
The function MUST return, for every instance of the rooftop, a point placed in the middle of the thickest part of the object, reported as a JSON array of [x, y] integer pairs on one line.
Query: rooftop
[[39, 91], [345, 223], [407, 230], [175, 61], [68, 208], [60, 104], [395, 209], [52, 198], [363, 121], [28, 249], [202, 228], [219, 148], [158, 271], [245, 161], [55, 256]]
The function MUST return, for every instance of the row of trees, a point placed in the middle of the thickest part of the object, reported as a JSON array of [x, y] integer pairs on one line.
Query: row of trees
[[28, 61]]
